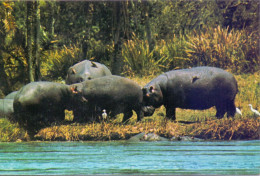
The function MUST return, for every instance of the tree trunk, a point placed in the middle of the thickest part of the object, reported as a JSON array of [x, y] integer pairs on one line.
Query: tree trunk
[[5, 84], [147, 24], [37, 28], [87, 28], [29, 40], [116, 65]]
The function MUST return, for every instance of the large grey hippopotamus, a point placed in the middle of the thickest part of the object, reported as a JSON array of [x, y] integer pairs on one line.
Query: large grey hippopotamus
[[39, 104], [194, 88], [113, 93], [11, 95], [6, 108], [86, 70]]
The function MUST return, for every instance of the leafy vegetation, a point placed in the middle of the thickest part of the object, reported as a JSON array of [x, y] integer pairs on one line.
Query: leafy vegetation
[[39, 40]]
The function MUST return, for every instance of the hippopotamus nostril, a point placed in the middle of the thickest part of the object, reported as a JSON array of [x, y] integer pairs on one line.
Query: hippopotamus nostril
[[81, 79]]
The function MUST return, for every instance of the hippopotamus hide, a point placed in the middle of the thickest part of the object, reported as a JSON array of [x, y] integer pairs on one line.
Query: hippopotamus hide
[[6, 108], [11, 95], [86, 70], [113, 93], [195, 88], [38, 104]]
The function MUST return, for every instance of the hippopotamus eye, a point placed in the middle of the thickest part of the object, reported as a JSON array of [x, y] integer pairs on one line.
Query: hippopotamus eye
[[152, 89]]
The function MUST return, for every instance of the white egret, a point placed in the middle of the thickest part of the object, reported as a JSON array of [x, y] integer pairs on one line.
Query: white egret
[[238, 111], [104, 115], [254, 111]]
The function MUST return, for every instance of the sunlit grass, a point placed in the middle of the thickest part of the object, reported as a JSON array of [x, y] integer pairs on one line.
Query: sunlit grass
[[196, 123], [11, 132]]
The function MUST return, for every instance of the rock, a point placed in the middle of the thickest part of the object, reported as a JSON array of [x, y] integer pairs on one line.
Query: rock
[[185, 138], [147, 137]]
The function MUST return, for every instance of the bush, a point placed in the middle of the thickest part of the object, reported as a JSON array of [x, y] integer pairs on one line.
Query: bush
[[57, 62], [175, 52], [140, 60], [235, 50]]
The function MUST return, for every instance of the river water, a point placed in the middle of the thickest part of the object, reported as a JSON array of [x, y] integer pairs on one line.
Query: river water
[[122, 157]]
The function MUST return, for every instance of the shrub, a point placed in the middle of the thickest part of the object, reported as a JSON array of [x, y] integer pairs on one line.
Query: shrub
[[57, 62], [139, 59], [174, 51], [225, 48]]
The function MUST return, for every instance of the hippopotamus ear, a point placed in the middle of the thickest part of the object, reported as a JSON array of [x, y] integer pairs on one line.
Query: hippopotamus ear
[[73, 71], [93, 64], [74, 89]]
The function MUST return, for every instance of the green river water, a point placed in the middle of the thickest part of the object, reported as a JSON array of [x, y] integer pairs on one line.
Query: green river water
[[122, 157]]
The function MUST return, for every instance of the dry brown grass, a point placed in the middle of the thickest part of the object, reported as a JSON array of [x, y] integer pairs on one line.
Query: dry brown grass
[[223, 129]]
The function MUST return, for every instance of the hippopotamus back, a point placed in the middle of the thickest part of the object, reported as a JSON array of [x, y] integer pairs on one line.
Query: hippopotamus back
[[6, 108], [11, 95]]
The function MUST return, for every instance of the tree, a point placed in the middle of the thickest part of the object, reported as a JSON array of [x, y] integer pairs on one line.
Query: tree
[[116, 30], [7, 31], [29, 43], [37, 28]]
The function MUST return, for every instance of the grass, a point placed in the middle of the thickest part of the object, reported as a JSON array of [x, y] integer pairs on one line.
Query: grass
[[200, 124]]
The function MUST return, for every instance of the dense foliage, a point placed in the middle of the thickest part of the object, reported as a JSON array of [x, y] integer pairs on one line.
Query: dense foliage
[[39, 40]]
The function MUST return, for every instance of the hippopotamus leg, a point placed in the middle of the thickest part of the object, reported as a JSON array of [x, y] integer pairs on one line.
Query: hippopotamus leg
[[127, 115], [170, 112], [220, 112], [227, 106], [231, 109], [140, 115]]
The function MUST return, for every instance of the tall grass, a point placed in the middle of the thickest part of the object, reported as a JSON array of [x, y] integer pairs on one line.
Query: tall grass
[[236, 50], [139, 59], [225, 48], [10, 132], [56, 62]]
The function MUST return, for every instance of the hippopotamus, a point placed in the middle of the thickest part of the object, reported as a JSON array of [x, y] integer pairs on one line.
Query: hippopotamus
[[39, 104], [6, 108], [86, 70], [195, 88], [11, 95], [113, 93]]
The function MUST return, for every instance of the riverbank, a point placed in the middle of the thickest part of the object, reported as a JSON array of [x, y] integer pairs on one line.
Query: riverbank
[[224, 129], [193, 123], [215, 129]]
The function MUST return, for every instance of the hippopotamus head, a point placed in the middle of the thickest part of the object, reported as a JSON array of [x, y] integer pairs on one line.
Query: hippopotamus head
[[74, 77], [152, 95], [86, 70], [77, 92]]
